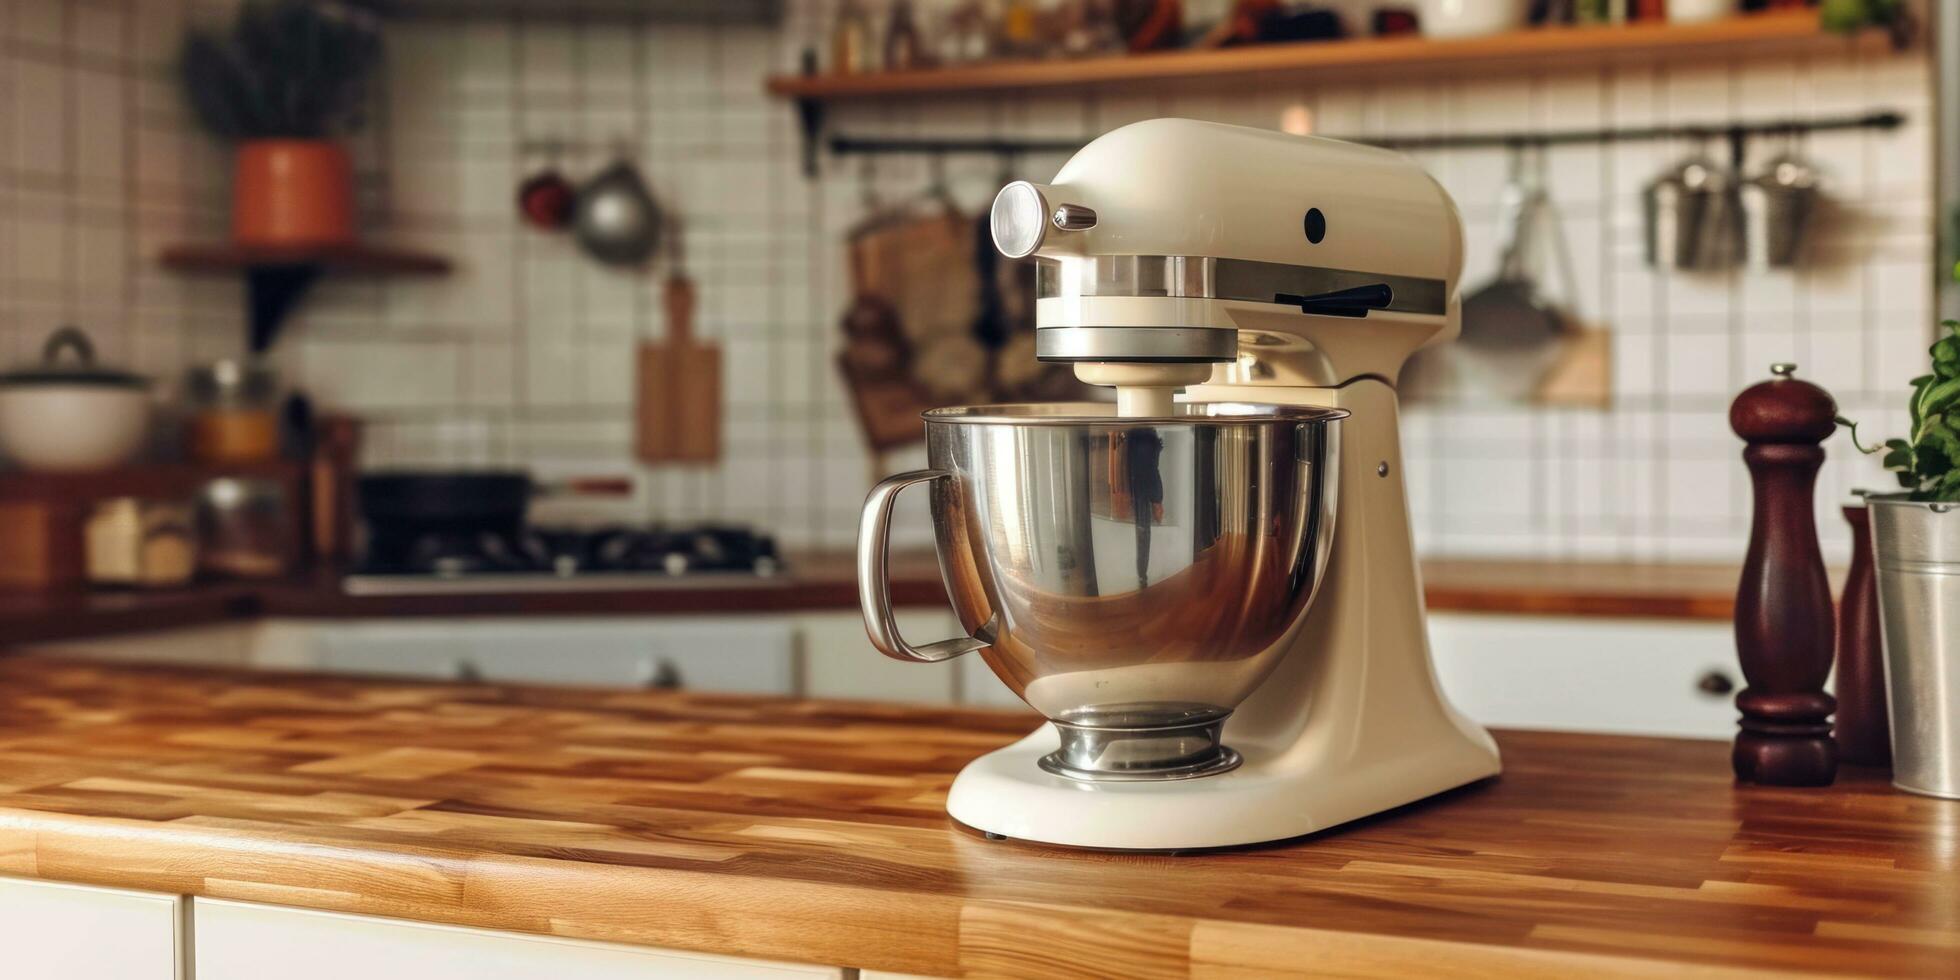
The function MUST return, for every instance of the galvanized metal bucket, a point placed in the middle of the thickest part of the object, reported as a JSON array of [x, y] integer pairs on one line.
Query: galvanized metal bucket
[[1916, 549]]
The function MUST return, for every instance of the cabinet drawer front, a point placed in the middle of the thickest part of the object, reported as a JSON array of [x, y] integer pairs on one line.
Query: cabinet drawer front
[[414, 649], [756, 656], [243, 941], [54, 931], [1626, 676], [839, 661]]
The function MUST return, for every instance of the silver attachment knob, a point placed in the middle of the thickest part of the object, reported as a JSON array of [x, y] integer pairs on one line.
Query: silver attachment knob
[[1019, 219], [1074, 217], [1783, 369]]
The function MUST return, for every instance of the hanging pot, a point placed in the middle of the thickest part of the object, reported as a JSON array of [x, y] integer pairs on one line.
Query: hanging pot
[[292, 192], [616, 219], [546, 200]]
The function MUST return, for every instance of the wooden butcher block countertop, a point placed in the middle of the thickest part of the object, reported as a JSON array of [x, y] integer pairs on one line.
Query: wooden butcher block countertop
[[813, 831]]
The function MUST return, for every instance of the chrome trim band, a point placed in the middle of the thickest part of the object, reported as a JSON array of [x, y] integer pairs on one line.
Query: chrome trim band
[[1203, 277], [1161, 344]]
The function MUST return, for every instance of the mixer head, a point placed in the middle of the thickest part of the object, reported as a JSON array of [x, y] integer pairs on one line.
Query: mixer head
[[1159, 242]]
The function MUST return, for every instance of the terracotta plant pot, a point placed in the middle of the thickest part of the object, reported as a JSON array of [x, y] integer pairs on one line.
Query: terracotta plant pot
[[292, 192]]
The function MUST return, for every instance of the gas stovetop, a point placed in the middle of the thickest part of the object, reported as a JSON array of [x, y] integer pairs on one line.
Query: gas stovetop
[[563, 559]]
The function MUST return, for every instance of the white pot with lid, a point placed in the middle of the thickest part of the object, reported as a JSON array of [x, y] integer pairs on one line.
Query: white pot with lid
[[68, 413], [1471, 18]]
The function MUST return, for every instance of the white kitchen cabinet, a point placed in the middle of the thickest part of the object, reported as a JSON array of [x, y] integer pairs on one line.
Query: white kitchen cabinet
[[427, 649], [815, 654], [839, 661], [755, 655], [1631, 676], [747, 656], [55, 931], [243, 941], [220, 645]]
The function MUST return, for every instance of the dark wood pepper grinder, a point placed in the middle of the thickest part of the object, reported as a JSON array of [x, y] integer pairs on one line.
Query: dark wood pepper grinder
[[1864, 734], [1784, 629]]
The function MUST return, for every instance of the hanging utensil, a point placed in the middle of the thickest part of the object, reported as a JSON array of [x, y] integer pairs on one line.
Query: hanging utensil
[[1777, 204], [1509, 312], [1514, 334], [678, 416], [1693, 217], [616, 218], [546, 199]]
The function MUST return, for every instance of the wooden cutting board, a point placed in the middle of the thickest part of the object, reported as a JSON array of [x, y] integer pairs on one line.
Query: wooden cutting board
[[678, 390]]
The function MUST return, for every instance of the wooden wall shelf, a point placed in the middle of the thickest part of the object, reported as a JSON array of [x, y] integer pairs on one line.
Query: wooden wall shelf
[[44, 516], [361, 259], [1778, 32], [276, 277], [149, 480]]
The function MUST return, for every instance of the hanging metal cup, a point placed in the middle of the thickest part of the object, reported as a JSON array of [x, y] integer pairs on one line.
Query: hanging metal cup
[[1693, 217], [1777, 204]]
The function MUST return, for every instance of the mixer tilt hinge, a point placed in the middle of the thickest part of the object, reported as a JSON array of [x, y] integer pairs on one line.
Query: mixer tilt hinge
[[1355, 301]]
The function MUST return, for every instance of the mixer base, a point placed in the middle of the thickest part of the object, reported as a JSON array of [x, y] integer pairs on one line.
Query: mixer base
[[1140, 741], [1221, 760], [1272, 796]]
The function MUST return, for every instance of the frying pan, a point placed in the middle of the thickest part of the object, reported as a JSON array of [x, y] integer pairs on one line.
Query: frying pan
[[443, 501]]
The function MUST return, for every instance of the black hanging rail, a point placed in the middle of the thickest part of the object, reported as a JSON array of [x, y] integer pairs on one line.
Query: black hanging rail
[[1735, 133], [1565, 137], [878, 146]]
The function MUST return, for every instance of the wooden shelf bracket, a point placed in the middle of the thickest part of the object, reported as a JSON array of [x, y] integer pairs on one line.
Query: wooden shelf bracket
[[271, 293], [278, 277]]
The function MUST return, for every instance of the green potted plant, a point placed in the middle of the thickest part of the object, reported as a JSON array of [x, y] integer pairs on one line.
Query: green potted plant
[[285, 80], [1849, 17], [1916, 553]]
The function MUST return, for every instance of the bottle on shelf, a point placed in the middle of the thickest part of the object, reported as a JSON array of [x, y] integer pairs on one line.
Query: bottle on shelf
[[962, 35], [904, 48], [851, 39]]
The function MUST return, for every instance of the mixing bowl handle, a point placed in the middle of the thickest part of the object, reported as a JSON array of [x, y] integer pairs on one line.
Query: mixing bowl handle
[[874, 584]]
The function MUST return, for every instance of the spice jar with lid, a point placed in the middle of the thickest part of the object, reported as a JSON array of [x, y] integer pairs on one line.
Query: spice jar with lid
[[232, 416], [129, 541]]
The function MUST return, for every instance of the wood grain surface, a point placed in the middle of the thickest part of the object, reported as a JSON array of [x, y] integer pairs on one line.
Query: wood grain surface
[[827, 581], [814, 832]]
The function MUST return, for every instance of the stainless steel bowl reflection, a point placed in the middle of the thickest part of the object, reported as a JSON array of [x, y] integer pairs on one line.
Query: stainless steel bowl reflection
[[1132, 579]]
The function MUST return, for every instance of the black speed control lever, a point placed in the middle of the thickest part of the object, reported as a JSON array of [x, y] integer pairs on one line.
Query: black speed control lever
[[1354, 301]]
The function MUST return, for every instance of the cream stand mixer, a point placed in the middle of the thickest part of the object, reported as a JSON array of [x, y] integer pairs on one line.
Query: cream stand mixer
[[1214, 598]]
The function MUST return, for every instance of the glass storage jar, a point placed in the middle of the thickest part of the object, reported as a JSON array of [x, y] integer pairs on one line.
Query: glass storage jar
[[232, 413]]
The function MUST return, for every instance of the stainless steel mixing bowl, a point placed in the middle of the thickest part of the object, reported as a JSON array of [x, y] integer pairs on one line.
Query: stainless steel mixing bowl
[[1131, 579]]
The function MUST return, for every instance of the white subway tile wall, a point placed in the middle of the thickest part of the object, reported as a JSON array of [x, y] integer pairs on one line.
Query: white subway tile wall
[[524, 355], [99, 168]]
